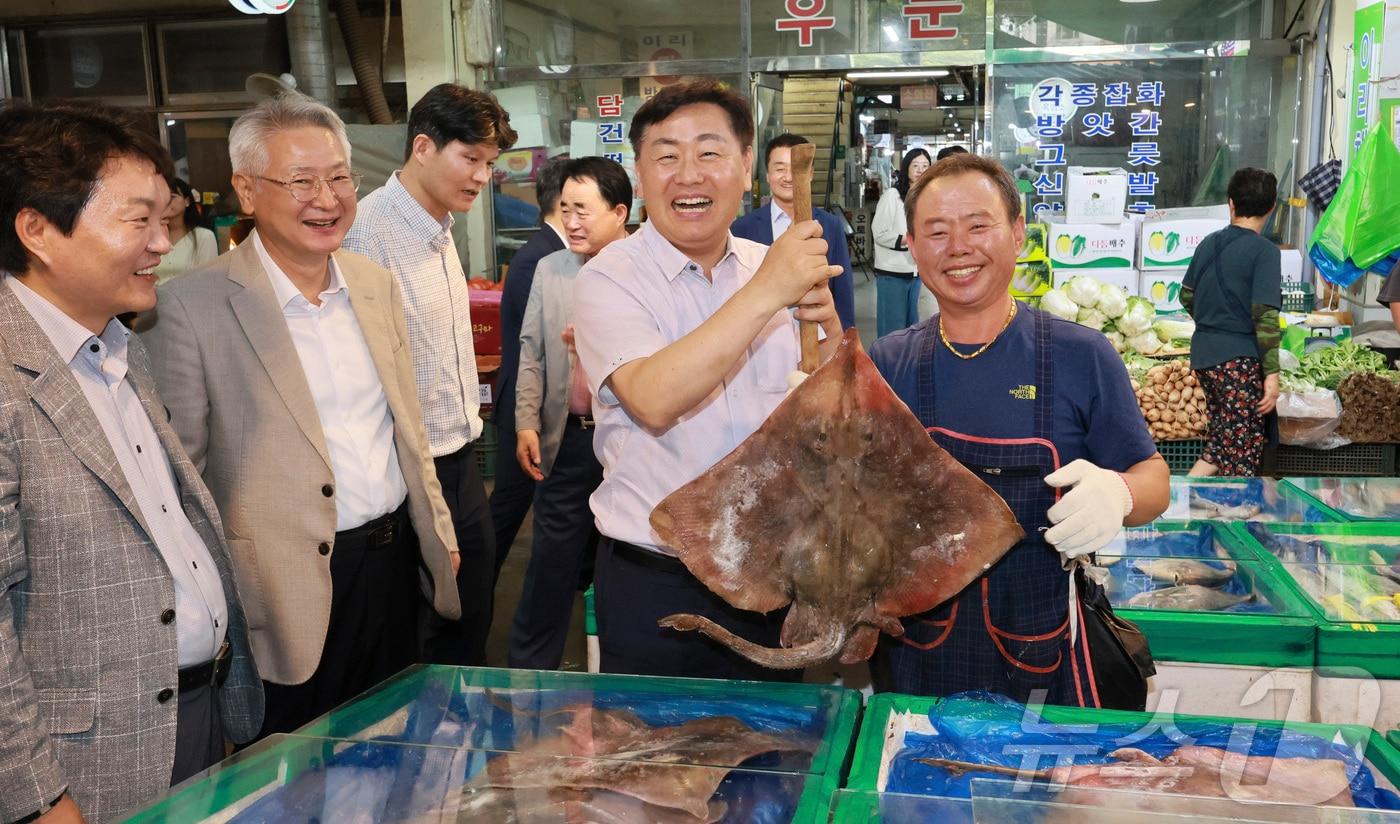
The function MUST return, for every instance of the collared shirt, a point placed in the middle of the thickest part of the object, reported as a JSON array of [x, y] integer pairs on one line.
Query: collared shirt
[[395, 231], [636, 297], [355, 417], [781, 220], [99, 364]]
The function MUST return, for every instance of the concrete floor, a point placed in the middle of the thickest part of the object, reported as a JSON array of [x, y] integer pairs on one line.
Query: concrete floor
[[513, 573]]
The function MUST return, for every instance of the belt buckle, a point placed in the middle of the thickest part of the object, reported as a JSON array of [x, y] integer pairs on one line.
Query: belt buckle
[[383, 534], [222, 662]]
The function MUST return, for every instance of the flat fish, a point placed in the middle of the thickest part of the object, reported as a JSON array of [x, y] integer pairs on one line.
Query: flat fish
[[1190, 598], [498, 805], [1181, 571], [841, 508], [1204, 508]]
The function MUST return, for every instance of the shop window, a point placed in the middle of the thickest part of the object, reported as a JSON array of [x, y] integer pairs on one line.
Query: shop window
[[797, 28], [209, 61], [592, 32], [1021, 23], [1179, 128], [100, 62]]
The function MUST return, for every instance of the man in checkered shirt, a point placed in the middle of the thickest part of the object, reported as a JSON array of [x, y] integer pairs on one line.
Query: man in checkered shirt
[[454, 137]]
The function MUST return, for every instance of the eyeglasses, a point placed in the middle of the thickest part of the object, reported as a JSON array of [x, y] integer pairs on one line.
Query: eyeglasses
[[305, 188]]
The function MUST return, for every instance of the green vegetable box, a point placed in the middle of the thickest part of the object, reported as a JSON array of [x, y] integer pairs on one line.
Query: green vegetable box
[[294, 778], [1349, 576], [1104, 765]]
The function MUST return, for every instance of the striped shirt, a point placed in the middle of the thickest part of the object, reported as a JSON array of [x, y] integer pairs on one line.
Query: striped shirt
[[395, 231], [98, 363]]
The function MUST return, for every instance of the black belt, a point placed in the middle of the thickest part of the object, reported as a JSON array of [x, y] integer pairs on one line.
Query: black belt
[[581, 421], [209, 674], [648, 558], [381, 532], [885, 273]]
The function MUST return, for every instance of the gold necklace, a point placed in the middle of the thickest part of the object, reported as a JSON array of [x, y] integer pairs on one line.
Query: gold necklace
[[943, 336]]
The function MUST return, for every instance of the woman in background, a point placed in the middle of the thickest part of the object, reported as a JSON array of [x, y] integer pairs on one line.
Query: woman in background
[[896, 278], [192, 245]]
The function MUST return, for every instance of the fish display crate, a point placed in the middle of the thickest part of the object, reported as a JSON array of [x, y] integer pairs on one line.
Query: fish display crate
[[1355, 459], [1274, 630], [1252, 499], [1332, 567], [296, 778], [890, 716], [1181, 455], [486, 451], [1297, 296], [1352, 499], [496, 709]]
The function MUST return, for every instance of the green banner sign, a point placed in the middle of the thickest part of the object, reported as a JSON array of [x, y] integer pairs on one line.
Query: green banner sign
[[1366, 50]]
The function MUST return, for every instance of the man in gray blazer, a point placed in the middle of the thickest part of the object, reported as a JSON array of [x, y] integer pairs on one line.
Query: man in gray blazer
[[124, 659], [554, 414], [286, 367]]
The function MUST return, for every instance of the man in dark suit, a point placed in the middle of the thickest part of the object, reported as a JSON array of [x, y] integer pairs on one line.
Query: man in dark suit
[[124, 653], [764, 224], [514, 490]]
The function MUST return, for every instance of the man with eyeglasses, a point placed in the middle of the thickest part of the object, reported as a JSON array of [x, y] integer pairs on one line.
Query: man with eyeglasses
[[455, 135], [285, 366]]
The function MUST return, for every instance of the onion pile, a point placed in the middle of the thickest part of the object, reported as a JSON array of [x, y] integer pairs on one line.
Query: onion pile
[[1172, 401]]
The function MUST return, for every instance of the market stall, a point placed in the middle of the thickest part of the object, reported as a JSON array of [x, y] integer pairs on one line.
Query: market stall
[[1228, 636], [775, 751], [940, 747]]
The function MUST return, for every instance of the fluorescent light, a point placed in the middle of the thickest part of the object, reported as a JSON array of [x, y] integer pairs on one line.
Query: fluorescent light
[[1188, 104], [887, 99], [891, 32], [880, 75]]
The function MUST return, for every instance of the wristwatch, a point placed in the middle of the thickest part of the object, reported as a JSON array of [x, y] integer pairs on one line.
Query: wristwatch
[[34, 816]]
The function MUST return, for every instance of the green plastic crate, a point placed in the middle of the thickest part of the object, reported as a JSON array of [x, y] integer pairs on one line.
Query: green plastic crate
[[1342, 644], [428, 690], [1297, 296], [257, 774], [1180, 455], [1352, 499], [1284, 638], [1372, 460], [865, 766]]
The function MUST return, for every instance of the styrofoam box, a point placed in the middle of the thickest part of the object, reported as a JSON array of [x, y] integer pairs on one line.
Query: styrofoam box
[[523, 101], [1162, 287], [1090, 245], [1291, 263], [1095, 194], [533, 130], [1167, 238]]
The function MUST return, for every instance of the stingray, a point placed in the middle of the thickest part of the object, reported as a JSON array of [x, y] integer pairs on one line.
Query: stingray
[[842, 507]]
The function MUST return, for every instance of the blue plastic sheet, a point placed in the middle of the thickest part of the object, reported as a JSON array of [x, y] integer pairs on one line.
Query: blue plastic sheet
[[984, 728]]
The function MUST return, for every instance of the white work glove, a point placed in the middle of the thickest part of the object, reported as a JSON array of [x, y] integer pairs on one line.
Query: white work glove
[[795, 379], [1089, 515]]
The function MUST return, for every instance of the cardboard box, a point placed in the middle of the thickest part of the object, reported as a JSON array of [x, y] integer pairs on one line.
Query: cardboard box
[[486, 320], [1162, 287], [1032, 278], [1035, 247], [1095, 194], [1168, 237], [1124, 277], [1090, 245]]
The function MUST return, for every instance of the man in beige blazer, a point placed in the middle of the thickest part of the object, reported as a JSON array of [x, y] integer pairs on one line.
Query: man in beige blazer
[[285, 365]]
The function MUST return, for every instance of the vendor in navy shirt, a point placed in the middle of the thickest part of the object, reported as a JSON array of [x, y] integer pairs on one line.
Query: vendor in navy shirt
[[1043, 411]]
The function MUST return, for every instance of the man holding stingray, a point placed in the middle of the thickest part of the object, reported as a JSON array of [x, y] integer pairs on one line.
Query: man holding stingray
[[1040, 409], [687, 341]]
